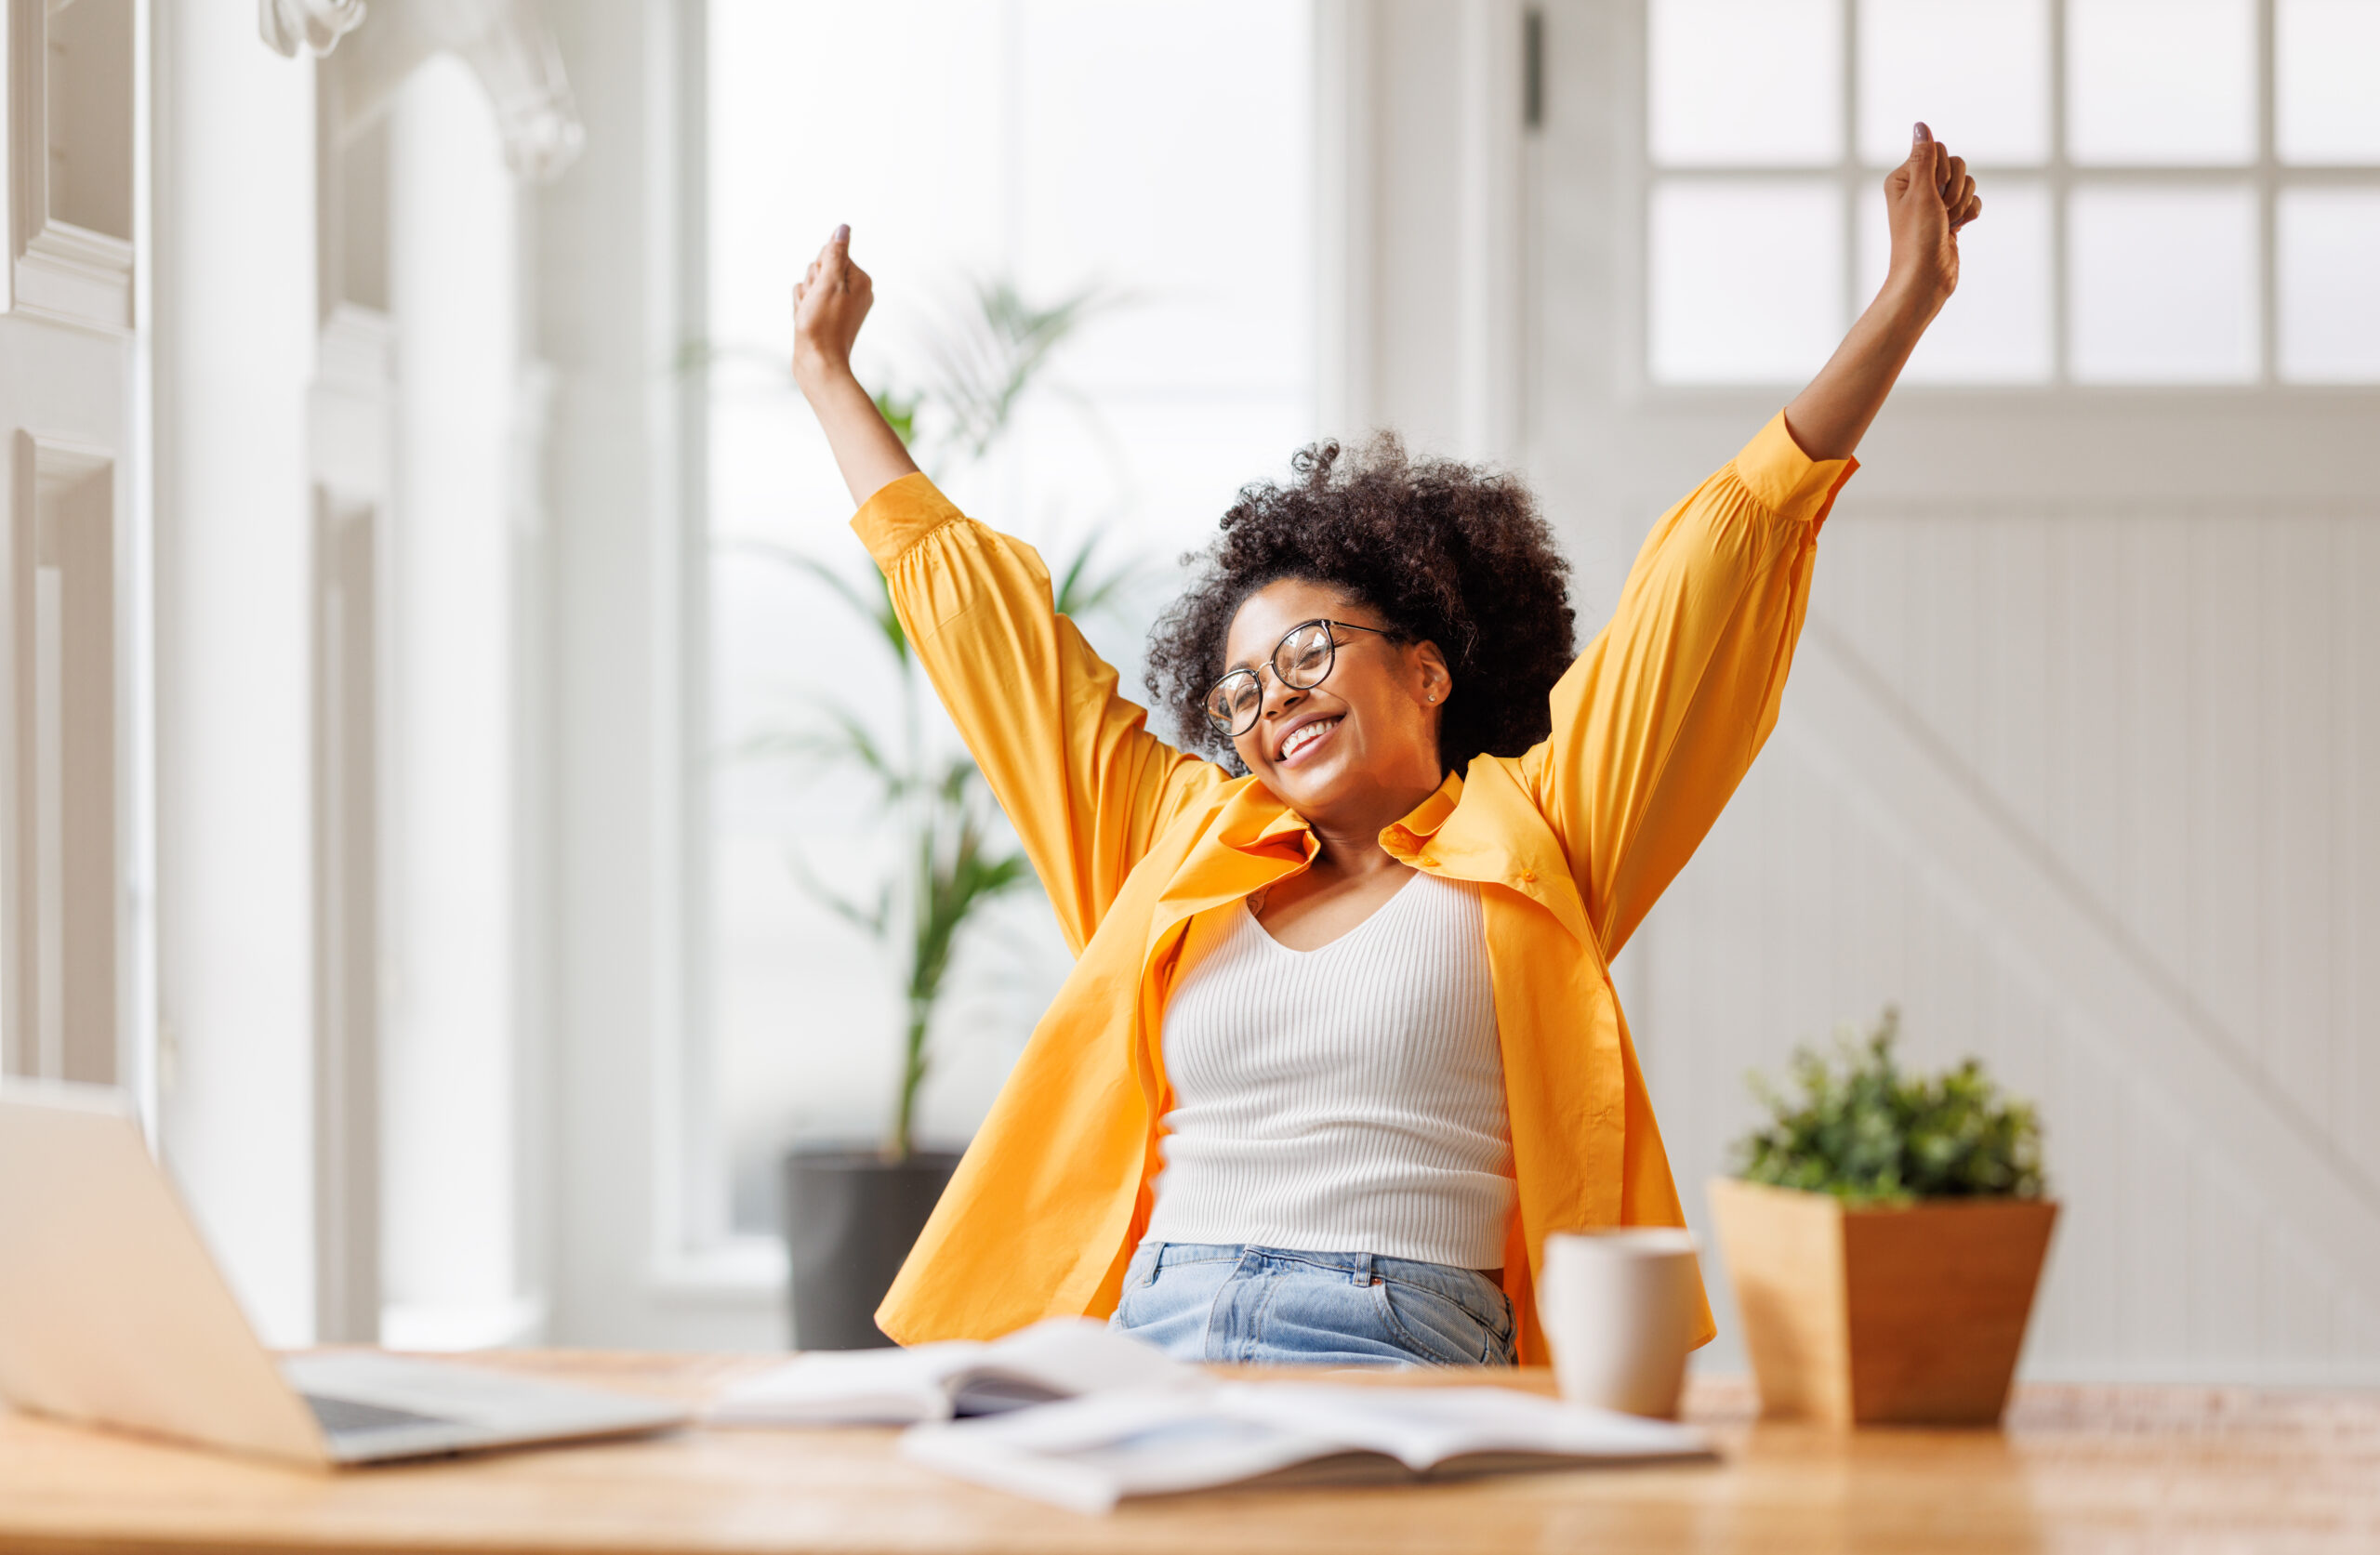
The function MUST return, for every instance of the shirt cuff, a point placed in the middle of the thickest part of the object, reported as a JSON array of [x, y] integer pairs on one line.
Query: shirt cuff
[[899, 515], [1786, 480]]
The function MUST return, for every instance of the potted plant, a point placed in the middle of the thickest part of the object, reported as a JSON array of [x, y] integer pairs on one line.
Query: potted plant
[[1884, 1234], [851, 1216]]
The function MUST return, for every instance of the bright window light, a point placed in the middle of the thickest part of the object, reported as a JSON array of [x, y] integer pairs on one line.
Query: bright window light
[[2329, 272], [1976, 72], [1747, 280], [2160, 83], [1998, 328], [2164, 286], [1746, 82], [2327, 107]]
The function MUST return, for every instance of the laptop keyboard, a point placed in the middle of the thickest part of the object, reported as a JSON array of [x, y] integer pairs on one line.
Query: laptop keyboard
[[341, 1416]]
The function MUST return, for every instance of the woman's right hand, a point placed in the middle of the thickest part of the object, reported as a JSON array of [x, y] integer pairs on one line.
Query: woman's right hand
[[830, 304]]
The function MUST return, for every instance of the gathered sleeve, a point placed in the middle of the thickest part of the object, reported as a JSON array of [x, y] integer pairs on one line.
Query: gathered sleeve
[[1086, 786], [1658, 722]]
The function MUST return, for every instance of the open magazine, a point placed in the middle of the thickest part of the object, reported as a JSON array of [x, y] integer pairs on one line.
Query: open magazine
[[1057, 1359], [1093, 1452]]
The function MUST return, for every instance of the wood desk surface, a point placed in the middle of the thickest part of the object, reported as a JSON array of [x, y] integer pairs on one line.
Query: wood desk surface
[[2131, 1468]]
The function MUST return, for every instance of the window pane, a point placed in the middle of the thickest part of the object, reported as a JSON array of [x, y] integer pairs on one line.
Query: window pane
[[1747, 83], [1747, 280], [2328, 106], [1977, 72], [2160, 83], [2330, 304], [2164, 286], [1997, 329], [1205, 105]]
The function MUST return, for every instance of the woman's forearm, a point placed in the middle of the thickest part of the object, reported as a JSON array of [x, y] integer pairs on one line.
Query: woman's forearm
[[1927, 199], [1830, 417], [869, 452]]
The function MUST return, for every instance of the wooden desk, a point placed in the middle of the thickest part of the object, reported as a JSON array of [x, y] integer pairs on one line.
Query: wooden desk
[[2148, 1469]]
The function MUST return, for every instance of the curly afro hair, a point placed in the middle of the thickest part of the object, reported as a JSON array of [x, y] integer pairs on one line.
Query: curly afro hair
[[1446, 553]]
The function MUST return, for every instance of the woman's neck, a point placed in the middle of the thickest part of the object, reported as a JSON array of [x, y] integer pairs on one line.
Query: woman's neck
[[1350, 843]]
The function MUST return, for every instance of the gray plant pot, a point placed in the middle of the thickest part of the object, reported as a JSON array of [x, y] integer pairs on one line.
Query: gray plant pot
[[851, 1217]]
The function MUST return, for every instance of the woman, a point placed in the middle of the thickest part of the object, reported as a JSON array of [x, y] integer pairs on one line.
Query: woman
[[1341, 1046]]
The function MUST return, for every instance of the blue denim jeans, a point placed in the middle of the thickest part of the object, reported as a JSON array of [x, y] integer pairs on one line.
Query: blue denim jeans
[[1200, 1301]]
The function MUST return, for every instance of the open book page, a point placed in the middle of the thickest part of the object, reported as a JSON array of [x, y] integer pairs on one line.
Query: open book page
[[1093, 1452], [1432, 1428], [1088, 1453], [1056, 1359]]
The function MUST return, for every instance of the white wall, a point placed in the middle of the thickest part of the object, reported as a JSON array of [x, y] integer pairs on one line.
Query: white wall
[[2167, 718], [1422, 221], [233, 151]]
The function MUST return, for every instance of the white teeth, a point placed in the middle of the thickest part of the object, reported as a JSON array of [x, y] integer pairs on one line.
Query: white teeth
[[1303, 735]]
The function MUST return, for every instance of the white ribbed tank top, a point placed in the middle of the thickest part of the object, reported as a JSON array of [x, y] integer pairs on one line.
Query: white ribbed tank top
[[1345, 1100]]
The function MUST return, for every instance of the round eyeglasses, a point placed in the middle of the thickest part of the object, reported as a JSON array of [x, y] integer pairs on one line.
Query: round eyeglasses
[[1300, 661]]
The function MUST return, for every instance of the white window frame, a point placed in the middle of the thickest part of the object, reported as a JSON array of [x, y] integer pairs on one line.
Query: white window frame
[[2265, 176], [697, 1258], [2213, 446]]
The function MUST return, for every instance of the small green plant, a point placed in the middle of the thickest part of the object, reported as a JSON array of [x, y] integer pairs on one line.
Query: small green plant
[[1864, 1132]]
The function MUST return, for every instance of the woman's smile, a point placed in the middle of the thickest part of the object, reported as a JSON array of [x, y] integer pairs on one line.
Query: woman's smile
[[1348, 734], [1306, 734]]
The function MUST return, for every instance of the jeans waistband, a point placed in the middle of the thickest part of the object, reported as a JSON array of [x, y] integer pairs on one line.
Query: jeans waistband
[[1360, 1268]]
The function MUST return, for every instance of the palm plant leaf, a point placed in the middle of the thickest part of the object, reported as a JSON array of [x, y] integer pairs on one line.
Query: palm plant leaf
[[875, 920], [1079, 593], [840, 738], [986, 364], [955, 875]]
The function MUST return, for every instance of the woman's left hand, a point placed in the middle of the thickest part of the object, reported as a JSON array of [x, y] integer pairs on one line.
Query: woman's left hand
[[1927, 199]]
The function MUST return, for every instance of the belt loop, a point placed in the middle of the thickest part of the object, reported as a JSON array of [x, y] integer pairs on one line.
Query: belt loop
[[1362, 1273]]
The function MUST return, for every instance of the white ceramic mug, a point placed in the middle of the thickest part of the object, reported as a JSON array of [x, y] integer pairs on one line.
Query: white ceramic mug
[[1617, 1307]]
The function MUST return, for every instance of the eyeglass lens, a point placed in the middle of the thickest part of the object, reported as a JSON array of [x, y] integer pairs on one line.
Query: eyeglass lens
[[1301, 660]]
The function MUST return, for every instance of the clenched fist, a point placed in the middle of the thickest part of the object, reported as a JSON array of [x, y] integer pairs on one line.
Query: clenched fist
[[1927, 199], [830, 304]]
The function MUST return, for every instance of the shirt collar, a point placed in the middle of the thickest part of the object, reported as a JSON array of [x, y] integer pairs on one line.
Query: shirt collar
[[1255, 820]]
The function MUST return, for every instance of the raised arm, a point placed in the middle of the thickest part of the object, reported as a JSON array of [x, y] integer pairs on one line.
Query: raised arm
[[830, 304], [1927, 199], [1084, 783], [1660, 718]]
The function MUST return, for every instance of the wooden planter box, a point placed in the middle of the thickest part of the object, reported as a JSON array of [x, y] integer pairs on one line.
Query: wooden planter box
[[1911, 1315]]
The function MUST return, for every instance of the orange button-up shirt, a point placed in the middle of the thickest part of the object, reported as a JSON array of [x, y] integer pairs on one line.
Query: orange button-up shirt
[[1572, 841]]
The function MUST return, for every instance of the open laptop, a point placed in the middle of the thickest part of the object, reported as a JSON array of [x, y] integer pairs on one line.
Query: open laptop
[[113, 1313]]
